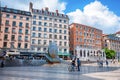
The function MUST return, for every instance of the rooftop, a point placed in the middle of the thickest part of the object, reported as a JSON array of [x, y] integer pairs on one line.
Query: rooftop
[[49, 13], [15, 11]]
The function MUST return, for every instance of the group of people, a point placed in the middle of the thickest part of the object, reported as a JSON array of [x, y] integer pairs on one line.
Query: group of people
[[100, 63], [76, 64]]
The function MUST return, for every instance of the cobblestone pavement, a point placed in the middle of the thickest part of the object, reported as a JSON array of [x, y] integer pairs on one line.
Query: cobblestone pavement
[[51, 72]]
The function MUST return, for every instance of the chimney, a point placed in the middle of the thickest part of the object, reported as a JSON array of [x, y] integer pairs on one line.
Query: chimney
[[46, 9], [30, 6], [57, 11]]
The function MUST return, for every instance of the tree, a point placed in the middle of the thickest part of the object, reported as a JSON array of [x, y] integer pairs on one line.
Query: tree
[[110, 54]]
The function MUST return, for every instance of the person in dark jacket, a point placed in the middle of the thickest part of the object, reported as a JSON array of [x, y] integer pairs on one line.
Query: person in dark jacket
[[78, 64]]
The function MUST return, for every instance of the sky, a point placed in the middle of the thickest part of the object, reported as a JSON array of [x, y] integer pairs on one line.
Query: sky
[[101, 14]]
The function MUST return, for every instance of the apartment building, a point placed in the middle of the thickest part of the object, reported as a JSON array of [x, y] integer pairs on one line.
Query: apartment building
[[47, 27], [85, 42], [112, 41], [15, 29]]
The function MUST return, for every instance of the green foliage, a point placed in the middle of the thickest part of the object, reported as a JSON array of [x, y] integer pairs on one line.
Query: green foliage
[[110, 54]]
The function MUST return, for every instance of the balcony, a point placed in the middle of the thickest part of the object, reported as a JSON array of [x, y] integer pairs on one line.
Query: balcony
[[27, 27], [26, 40], [14, 32], [6, 39], [20, 40], [7, 25], [7, 32]]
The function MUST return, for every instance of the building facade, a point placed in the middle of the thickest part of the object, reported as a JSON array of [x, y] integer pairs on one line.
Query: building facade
[[85, 38], [15, 29], [112, 42], [47, 27]]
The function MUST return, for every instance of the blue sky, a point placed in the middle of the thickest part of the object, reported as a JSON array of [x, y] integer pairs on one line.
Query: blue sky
[[102, 14]]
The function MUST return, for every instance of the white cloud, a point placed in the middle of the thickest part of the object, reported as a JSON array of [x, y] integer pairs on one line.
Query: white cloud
[[37, 4], [97, 15]]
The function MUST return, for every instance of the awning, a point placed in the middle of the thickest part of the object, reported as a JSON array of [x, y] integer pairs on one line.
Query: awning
[[64, 53]]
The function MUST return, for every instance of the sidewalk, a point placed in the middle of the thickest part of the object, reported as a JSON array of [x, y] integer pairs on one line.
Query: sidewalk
[[111, 75]]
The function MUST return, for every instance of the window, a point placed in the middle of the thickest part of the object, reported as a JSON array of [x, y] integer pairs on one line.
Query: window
[[19, 45], [45, 18], [44, 49], [39, 48], [39, 29], [65, 26], [80, 39], [45, 35], [60, 25], [60, 43], [33, 34], [39, 34], [39, 41], [27, 18], [50, 19], [50, 36], [20, 31], [45, 42], [55, 30], [65, 32], [19, 38], [34, 22], [55, 19], [65, 50], [5, 37], [14, 23], [50, 42], [55, 36], [64, 21], [13, 30], [60, 37], [50, 24], [40, 17], [26, 38], [45, 24], [27, 25], [65, 43], [33, 41], [14, 17], [5, 44], [26, 45], [7, 22], [34, 28], [7, 16], [45, 29], [26, 31], [40, 23], [20, 24], [55, 25], [12, 37], [34, 16], [6, 29], [65, 37], [60, 20], [21, 17], [50, 30]]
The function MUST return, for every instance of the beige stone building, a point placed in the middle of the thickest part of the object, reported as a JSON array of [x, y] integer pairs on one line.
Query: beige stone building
[[49, 26], [112, 42], [15, 29]]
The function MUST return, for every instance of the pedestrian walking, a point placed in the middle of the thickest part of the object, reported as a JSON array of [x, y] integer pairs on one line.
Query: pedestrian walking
[[73, 65], [78, 64], [107, 63]]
